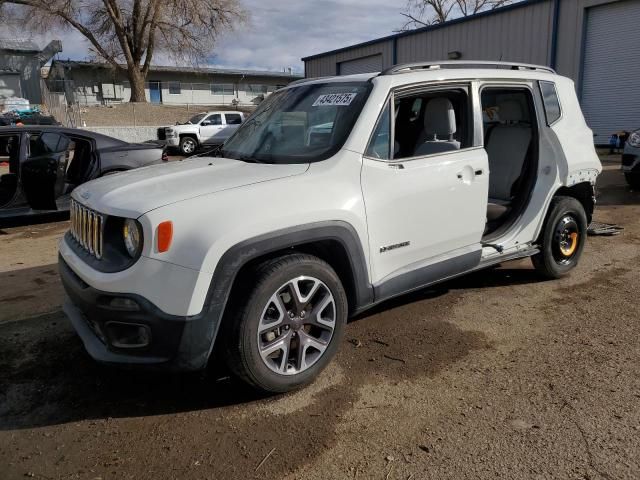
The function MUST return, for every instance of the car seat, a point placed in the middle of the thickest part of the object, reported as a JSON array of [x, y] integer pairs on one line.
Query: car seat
[[507, 144], [439, 121]]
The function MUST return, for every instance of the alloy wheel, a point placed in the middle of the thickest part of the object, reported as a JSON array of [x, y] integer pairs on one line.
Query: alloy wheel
[[296, 325], [188, 146]]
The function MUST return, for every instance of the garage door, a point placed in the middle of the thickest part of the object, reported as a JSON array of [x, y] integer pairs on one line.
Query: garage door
[[9, 85], [369, 64], [611, 74]]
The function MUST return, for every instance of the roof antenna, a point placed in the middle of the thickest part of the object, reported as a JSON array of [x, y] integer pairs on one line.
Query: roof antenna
[[500, 57]]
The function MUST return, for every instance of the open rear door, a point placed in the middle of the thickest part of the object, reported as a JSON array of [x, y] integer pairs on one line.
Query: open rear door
[[43, 171]]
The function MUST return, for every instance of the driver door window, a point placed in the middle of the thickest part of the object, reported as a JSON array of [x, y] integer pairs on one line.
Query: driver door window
[[379, 147], [425, 123], [213, 120]]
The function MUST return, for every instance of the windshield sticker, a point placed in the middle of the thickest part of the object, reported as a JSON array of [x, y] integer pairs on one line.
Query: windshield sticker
[[330, 99]]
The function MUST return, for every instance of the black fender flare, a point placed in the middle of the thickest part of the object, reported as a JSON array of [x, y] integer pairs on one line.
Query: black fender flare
[[238, 256]]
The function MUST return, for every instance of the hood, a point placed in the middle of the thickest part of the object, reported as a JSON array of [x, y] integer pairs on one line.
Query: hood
[[136, 192]]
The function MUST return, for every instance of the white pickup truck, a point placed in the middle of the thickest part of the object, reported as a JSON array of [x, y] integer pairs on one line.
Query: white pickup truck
[[206, 128]]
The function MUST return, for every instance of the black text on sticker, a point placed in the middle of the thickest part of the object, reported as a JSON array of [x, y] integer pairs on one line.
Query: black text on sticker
[[339, 99]]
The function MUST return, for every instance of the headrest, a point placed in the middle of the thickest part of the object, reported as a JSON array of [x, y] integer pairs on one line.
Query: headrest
[[439, 117], [510, 111]]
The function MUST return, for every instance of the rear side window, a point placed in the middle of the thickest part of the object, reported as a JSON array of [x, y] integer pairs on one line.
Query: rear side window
[[551, 102], [233, 118]]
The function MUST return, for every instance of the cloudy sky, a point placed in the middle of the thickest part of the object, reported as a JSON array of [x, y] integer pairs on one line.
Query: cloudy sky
[[280, 32]]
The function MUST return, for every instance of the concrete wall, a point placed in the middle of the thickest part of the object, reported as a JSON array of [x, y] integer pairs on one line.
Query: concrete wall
[[128, 134]]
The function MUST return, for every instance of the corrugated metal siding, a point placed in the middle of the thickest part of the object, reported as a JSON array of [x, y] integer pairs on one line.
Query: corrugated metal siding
[[369, 64], [611, 77], [519, 35], [327, 65]]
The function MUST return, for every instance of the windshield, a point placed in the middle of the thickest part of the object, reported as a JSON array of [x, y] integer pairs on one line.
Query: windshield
[[197, 118], [303, 124]]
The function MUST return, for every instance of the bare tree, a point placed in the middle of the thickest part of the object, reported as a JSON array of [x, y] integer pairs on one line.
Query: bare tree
[[422, 13], [128, 33]]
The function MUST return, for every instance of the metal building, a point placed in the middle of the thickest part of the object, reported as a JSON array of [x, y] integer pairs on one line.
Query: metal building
[[594, 42], [20, 63]]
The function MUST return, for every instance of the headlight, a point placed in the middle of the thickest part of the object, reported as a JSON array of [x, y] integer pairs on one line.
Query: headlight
[[132, 235], [634, 139]]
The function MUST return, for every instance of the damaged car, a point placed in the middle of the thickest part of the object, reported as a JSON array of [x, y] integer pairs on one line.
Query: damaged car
[[41, 165]]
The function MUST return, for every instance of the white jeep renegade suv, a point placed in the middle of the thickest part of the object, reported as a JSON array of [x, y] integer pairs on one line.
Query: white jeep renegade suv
[[335, 195]]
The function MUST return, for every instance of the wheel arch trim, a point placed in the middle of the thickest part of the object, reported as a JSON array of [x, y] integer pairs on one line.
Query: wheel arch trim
[[239, 256]]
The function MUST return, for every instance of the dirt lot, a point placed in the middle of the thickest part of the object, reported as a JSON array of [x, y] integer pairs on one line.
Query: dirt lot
[[496, 375]]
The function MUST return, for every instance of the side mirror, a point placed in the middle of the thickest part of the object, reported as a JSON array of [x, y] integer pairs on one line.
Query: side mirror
[[205, 123]]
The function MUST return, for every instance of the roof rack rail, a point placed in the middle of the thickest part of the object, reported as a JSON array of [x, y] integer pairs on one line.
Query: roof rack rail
[[304, 80], [411, 67]]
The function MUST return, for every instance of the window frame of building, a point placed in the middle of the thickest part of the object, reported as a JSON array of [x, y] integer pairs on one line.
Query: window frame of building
[[264, 88], [222, 89], [171, 87]]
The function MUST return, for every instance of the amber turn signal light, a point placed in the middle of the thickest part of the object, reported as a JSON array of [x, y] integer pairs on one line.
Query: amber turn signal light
[[164, 235]]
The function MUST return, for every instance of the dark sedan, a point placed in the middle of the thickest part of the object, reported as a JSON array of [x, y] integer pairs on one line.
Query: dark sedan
[[41, 165]]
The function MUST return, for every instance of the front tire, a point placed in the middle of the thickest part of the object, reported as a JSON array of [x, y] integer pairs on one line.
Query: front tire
[[290, 325], [562, 239], [188, 146]]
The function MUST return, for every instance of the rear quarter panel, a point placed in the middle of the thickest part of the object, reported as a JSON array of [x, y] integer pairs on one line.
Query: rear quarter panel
[[575, 137], [128, 158]]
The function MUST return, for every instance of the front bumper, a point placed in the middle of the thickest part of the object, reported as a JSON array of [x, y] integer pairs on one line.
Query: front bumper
[[631, 159], [172, 141], [176, 343]]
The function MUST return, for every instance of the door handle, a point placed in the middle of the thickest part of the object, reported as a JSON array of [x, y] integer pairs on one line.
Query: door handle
[[479, 172]]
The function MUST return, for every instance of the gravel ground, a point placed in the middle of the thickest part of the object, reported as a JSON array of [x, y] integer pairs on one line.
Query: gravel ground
[[495, 375]]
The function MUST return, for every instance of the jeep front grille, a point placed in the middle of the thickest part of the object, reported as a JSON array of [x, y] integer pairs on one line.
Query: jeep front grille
[[87, 228]]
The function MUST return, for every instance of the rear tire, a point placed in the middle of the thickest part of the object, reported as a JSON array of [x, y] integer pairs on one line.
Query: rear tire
[[633, 179], [562, 239], [287, 323]]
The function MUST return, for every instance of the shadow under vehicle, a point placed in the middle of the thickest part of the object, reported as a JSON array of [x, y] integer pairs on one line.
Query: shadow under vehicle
[[41, 165]]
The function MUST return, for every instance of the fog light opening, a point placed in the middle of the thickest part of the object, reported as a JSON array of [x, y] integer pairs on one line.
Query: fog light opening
[[122, 303], [127, 335]]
